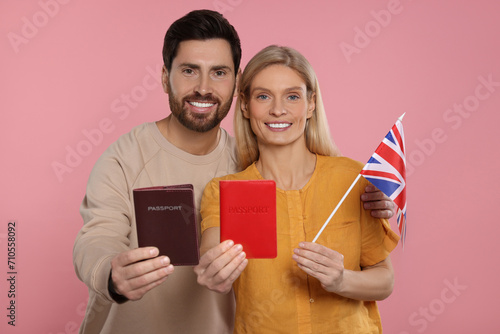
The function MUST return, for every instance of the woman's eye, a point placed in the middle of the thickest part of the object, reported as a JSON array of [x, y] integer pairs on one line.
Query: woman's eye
[[262, 97], [293, 97]]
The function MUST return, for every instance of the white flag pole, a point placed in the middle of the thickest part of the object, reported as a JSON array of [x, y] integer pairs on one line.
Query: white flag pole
[[343, 198], [336, 208]]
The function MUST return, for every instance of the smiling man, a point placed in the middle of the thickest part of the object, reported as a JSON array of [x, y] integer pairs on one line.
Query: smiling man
[[201, 84], [131, 289], [201, 61], [203, 64]]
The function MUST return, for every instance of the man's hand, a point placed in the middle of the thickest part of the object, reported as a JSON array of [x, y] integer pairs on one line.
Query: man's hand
[[380, 205], [322, 263], [137, 271], [220, 266]]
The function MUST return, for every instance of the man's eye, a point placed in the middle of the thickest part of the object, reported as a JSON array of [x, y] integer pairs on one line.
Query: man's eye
[[220, 73], [188, 71]]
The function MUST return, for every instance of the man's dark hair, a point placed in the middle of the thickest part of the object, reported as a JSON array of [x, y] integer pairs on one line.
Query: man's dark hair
[[200, 25]]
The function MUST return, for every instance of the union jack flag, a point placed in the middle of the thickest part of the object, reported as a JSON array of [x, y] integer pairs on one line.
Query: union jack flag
[[386, 170]]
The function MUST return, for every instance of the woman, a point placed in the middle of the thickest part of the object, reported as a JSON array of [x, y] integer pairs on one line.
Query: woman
[[324, 287]]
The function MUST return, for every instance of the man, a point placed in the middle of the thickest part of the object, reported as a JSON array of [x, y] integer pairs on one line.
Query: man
[[132, 290]]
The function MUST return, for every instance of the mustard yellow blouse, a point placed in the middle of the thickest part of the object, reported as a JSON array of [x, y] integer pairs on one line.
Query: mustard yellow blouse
[[274, 295]]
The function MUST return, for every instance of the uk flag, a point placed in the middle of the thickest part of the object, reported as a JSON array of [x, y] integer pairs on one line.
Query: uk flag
[[386, 170]]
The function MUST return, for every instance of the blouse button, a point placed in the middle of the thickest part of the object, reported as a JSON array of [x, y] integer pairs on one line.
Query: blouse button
[[311, 300]]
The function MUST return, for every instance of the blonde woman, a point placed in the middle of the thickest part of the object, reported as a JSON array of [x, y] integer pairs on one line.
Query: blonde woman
[[326, 287]]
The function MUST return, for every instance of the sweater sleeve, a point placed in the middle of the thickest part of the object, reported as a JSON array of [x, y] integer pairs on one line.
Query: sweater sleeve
[[107, 212]]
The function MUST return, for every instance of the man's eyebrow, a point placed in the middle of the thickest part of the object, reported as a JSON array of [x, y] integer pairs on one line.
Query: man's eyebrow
[[213, 68], [190, 65], [222, 67]]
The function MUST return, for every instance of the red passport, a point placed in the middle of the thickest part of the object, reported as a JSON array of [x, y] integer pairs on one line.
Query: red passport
[[165, 218], [248, 216]]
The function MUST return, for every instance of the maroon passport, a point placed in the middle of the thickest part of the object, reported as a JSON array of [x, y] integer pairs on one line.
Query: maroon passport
[[165, 218], [248, 216]]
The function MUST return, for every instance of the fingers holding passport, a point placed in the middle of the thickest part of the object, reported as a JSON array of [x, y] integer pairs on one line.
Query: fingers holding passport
[[220, 266], [137, 271]]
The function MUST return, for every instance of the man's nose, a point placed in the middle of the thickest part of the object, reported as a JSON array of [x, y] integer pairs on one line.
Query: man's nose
[[204, 85]]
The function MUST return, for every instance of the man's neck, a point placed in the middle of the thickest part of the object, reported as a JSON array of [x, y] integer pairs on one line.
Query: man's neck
[[197, 143]]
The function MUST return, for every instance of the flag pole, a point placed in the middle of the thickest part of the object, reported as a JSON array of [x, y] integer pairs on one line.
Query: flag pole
[[336, 208], [400, 119]]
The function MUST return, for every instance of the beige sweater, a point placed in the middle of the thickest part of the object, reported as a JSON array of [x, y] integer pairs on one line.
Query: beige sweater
[[144, 158]]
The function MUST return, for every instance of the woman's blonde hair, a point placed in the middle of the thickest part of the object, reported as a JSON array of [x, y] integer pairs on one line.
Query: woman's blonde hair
[[317, 133]]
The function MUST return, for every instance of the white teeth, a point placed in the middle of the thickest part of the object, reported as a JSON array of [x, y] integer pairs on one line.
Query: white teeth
[[279, 125], [201, 104]]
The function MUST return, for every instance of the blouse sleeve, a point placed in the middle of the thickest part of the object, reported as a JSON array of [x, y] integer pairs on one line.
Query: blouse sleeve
[[377, 238], [210, 207]]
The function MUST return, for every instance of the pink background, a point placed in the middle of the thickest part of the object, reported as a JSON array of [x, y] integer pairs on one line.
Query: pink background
[[71, 67]]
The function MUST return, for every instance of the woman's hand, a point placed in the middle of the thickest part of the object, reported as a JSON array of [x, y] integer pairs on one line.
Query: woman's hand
[[373, 282], [322, 263], [220, 266]]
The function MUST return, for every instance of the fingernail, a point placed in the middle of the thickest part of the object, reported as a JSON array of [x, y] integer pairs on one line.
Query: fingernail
[[165, 260], [154, 251], [301, 245]]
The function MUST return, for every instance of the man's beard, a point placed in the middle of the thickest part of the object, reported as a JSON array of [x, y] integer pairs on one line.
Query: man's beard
[[194, 121]]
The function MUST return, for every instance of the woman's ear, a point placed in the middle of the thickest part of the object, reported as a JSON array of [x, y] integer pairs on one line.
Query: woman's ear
[[244, 107], [311, 105]]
